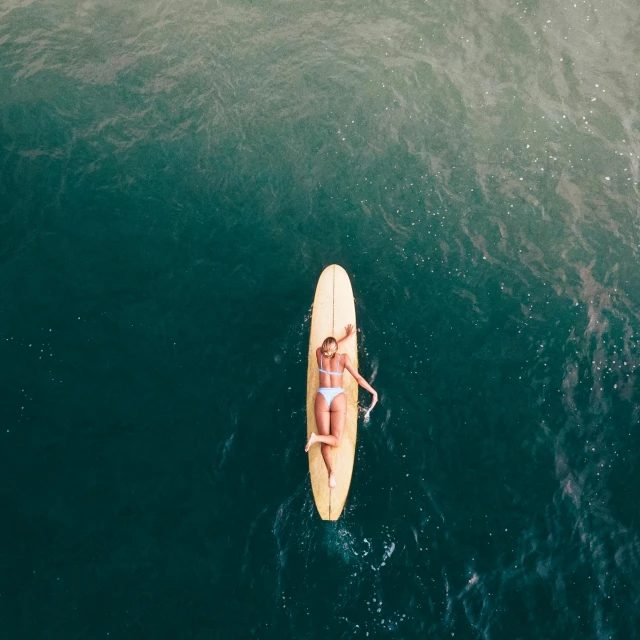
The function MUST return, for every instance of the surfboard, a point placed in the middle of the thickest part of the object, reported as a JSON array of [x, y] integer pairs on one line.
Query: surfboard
[[333, 310]]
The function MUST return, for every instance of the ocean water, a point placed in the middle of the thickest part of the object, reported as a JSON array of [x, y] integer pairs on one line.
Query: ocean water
[[173, 179]]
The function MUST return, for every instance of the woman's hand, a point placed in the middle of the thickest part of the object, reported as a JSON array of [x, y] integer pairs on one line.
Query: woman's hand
[[373, 404], [350, 330]]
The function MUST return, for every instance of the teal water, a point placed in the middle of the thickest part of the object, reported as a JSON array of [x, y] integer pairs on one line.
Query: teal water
[[173, 179]]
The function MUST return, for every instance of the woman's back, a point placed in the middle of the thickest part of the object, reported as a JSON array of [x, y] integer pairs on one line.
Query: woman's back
[[331, 370]]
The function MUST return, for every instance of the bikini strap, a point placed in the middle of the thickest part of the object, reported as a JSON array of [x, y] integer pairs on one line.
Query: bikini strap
[[337, 372]]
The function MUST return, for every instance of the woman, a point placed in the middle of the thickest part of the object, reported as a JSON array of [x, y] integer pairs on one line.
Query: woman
[[331, 401]]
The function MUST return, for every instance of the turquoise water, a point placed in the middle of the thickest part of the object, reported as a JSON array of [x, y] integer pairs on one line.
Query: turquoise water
[[173, 179]]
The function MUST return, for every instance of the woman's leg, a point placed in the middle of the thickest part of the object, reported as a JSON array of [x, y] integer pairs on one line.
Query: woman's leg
[[338, 417], [323, 422], [328, 421]]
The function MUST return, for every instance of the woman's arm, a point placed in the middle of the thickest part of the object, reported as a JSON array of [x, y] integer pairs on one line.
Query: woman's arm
[[350, 331], [360, 380]]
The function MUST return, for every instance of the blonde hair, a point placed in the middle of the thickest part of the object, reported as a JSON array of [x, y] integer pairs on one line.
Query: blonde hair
[[329, 347]]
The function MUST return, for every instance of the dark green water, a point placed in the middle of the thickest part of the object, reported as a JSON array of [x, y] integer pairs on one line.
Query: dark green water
[[173, 179]]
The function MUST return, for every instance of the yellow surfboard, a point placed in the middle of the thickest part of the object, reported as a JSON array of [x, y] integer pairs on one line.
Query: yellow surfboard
[[333, 310]]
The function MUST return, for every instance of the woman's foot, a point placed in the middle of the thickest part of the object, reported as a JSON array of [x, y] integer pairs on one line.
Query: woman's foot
[[332, 481], [312, 439]]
